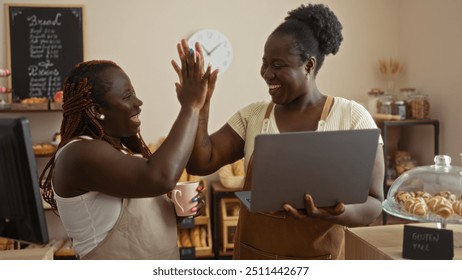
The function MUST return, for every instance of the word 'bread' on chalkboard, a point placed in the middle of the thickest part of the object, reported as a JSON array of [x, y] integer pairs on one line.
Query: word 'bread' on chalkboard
[[424, 243], [45, 44]]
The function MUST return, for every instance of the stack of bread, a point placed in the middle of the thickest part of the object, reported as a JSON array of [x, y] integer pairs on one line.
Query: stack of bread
[[420, 203], [194, 237], [232, 175]]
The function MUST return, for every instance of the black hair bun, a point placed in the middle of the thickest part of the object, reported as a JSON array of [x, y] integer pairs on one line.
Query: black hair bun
[[324, 24]]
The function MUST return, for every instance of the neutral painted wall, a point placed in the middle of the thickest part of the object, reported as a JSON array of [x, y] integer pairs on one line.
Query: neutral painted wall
[[141, 36]]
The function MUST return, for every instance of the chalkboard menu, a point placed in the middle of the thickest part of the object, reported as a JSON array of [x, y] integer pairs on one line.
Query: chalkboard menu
[[45, 43]]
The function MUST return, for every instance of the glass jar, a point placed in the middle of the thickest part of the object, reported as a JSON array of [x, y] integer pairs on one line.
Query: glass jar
[[400, 109], [429, 193], [385, 104], [374, 95], [419, 106], [405, 93]]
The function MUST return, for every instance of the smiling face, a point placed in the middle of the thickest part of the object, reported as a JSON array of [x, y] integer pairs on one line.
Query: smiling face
[[283, 70], [120, 107]]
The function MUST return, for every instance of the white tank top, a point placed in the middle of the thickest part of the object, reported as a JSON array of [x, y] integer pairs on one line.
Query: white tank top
[[89, 217]]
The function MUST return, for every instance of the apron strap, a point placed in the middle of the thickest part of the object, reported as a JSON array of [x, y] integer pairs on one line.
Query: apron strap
[[266, 122], [326, 108]]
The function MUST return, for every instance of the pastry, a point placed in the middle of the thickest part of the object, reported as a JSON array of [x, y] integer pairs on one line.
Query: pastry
[[238, 168], [185, 238], [440, 206], [416, 206], [34, 100], [425, 195], [402, 196], [203, 232], [195, 235], [43, 149], [457, 207], [448, 195]]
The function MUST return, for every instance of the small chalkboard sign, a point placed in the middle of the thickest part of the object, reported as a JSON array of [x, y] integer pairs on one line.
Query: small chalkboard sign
[[423, 243], [44, 45]]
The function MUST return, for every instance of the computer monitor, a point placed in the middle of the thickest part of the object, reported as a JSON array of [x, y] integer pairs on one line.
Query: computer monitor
[[22, 217]]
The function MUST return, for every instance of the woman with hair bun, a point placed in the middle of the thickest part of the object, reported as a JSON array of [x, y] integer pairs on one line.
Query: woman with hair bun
[[293, 56]]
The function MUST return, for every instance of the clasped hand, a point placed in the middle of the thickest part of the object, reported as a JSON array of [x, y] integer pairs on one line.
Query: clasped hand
[[314, 212], [195, 85]]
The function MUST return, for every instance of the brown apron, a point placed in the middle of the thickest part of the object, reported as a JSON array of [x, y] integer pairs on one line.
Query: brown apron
[[281, 235]]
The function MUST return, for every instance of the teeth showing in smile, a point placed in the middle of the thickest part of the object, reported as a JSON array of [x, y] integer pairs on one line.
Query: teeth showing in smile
[[135, 118], [271, 87]]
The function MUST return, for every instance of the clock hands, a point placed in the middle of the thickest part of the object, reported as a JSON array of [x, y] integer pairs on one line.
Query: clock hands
[[209, 53], [206, 51]]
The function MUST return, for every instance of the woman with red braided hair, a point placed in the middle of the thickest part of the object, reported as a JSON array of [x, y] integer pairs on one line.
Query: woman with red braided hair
[[109, 190]]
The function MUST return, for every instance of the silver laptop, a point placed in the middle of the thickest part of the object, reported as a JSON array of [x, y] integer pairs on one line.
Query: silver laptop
[[331, 166]]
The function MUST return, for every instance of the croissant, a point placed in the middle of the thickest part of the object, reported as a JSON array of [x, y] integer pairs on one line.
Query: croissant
[[457, 207], [440, 206], [425, 195], [416, 206], [402, 196], [448, 195]]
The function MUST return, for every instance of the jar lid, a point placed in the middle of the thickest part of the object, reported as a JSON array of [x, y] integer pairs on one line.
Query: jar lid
[[375, 92]]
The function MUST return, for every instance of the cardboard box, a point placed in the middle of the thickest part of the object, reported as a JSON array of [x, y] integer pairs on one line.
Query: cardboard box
[[386, 242]]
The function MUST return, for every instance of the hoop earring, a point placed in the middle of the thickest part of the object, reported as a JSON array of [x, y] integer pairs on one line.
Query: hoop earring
[[102, 117]]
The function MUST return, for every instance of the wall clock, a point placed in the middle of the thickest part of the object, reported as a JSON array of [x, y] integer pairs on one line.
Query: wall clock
[[216, 48]]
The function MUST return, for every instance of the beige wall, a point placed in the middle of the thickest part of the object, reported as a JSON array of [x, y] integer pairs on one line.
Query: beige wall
[[141, 36]]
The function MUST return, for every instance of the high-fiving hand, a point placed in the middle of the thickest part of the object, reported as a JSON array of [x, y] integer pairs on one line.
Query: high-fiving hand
[[192, 65]]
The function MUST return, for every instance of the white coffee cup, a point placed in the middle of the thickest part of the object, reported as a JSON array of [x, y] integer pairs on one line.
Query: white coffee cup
[[182, 197]]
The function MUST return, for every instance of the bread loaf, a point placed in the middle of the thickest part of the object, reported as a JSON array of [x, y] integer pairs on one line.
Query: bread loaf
[[238, 168], [196, 236], [440, 206], [416, 206], [203, 232], [185, 238]]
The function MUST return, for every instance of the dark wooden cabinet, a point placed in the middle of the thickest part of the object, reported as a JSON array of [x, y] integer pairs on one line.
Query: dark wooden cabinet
[[392, 137]]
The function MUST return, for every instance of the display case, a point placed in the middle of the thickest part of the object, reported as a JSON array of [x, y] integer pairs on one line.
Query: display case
[[430, 193], [391, 134]]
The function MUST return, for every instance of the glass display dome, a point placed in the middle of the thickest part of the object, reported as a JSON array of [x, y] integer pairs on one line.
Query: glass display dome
[[428, 193]]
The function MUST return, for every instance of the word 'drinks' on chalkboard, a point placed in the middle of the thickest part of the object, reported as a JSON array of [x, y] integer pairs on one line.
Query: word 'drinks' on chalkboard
[[45, 43]]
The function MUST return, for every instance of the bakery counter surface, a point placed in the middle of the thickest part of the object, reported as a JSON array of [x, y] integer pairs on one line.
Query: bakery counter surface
[[28, 254], [386, 242]]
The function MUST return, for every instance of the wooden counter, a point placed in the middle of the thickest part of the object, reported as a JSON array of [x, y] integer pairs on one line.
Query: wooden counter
[[28, 254], [386, 242]]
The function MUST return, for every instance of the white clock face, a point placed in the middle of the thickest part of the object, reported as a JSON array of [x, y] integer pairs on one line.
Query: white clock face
[[216, 48]]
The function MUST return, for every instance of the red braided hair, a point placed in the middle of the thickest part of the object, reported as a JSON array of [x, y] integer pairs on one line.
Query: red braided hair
[[83, 88]]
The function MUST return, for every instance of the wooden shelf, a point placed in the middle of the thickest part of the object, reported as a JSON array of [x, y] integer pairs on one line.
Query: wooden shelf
[[392, 141]]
